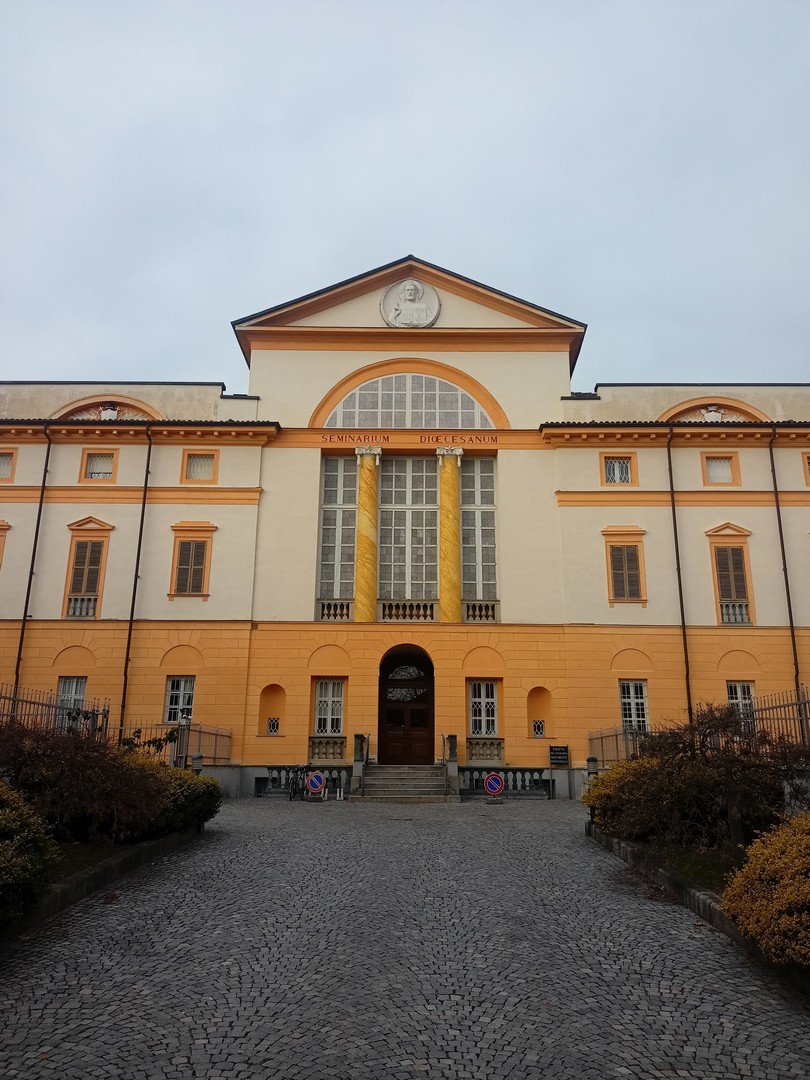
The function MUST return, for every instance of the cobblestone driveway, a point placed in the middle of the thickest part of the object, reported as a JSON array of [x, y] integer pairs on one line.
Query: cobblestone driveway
[[361, 943]]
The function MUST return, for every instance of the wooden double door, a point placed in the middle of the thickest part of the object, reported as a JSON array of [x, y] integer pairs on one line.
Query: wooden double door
[[406, 727]]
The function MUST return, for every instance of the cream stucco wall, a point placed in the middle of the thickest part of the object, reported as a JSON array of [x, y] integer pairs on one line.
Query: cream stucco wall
[[172, 401], [634, 401], [291, 383]]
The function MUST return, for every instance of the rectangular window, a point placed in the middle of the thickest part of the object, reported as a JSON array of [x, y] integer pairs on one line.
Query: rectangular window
[[179, 699], [329, 707], [732, 587], [483, 706], [191, 565], [338, 528], [409, 529], [741, 696], [190, 578], [633, 701], [70, 696], [85, 579], [8, 460], [478, 566], [720, 469], [625, 572], [99, 466], [199, 468], [618, 469]]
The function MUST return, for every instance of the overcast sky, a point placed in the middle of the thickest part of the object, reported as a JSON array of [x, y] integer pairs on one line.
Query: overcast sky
[[640, 165]]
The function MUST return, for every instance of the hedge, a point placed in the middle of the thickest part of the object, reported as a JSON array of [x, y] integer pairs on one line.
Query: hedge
[[769, 898], [26, 855]]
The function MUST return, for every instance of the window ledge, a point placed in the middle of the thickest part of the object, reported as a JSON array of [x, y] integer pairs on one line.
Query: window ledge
[[187, 596]]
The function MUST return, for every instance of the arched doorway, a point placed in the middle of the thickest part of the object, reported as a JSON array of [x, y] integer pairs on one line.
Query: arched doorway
[[405, 732]]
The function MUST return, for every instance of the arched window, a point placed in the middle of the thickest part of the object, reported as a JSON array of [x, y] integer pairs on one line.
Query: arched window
[[408, 400]]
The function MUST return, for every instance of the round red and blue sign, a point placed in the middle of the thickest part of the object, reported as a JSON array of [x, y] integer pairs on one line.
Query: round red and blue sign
[[493, 784], [316, 782]]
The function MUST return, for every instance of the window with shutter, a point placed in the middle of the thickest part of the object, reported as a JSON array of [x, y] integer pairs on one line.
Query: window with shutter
[[85, 579], [625, 564], [191, 565], [731, 575]]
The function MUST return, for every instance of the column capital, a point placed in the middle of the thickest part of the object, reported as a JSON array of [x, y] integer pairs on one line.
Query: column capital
[[450, 451], [371, 451]]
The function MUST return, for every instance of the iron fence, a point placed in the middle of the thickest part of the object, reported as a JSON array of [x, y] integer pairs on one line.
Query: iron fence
[[182, 744], [43, 710]]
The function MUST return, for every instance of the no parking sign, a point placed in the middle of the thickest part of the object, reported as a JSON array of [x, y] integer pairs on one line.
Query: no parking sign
[[493, 784], [316, 782]]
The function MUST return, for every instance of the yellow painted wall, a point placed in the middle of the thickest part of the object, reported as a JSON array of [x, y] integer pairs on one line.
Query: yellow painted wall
[[233, 662]]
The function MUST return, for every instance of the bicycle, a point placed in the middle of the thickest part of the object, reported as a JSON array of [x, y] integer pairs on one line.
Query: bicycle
[[297, 783]]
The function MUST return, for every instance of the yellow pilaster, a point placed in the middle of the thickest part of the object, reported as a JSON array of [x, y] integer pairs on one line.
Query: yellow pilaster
[[365, 558], [449, 535]]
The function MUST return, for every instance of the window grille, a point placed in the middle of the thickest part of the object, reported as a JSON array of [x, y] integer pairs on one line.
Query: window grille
[[273, 725], [338, 528], [718, 470], [199, 467], [625, 571], [483, 707], [633, 699], [179, 698], [409, 529], [617, 470], [6, 463], [408, 401], [539, 729], [329, 707], [70, 696], [98, 467], [191, 555], [478, 556]]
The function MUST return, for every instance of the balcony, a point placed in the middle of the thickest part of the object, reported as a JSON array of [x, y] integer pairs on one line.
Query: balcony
[[326, 749], [81, 607], [481, 611], [485, 750], [407, 610], [734, 612], [335, 611]]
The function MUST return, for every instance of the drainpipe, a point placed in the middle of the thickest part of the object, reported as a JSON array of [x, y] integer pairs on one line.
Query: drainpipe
[[135, 578], [33, 562], [796, 675], [679, 575]]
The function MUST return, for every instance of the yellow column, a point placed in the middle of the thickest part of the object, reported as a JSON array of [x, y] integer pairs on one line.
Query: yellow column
[[449, 535], [365, 557]]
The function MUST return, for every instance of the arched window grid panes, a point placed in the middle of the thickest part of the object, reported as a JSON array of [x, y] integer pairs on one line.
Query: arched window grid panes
[[408, 400]]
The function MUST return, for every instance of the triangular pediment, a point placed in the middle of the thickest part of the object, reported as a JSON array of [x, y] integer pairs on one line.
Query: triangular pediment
[[728, 529], [445, 302], [90, 524]]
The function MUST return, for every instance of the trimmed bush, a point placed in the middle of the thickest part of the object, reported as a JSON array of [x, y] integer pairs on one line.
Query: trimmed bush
[[26, 855], [84, 789], [713, 785], [191, 799], [769, 898]]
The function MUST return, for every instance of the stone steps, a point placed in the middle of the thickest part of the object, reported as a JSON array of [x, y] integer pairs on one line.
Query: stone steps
[[406, 783]]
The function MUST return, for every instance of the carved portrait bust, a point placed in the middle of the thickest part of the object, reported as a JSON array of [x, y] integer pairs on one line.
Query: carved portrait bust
[[410, 303]]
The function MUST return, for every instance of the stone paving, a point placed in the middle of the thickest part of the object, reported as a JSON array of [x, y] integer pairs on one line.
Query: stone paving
[[361, 942]]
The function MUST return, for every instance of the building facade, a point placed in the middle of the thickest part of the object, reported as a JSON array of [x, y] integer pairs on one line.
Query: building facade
[[409, 528]]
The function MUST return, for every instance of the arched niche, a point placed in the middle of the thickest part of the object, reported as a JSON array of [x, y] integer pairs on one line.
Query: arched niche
[[74, 660], [631, 661], [110, 407], [183, 660], [272, 710], [708, 410], [739, 663], [483, 661], [329, 660], [540, 711]]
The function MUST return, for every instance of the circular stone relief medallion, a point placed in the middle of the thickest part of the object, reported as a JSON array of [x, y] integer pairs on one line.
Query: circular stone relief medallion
[[410, 303]]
